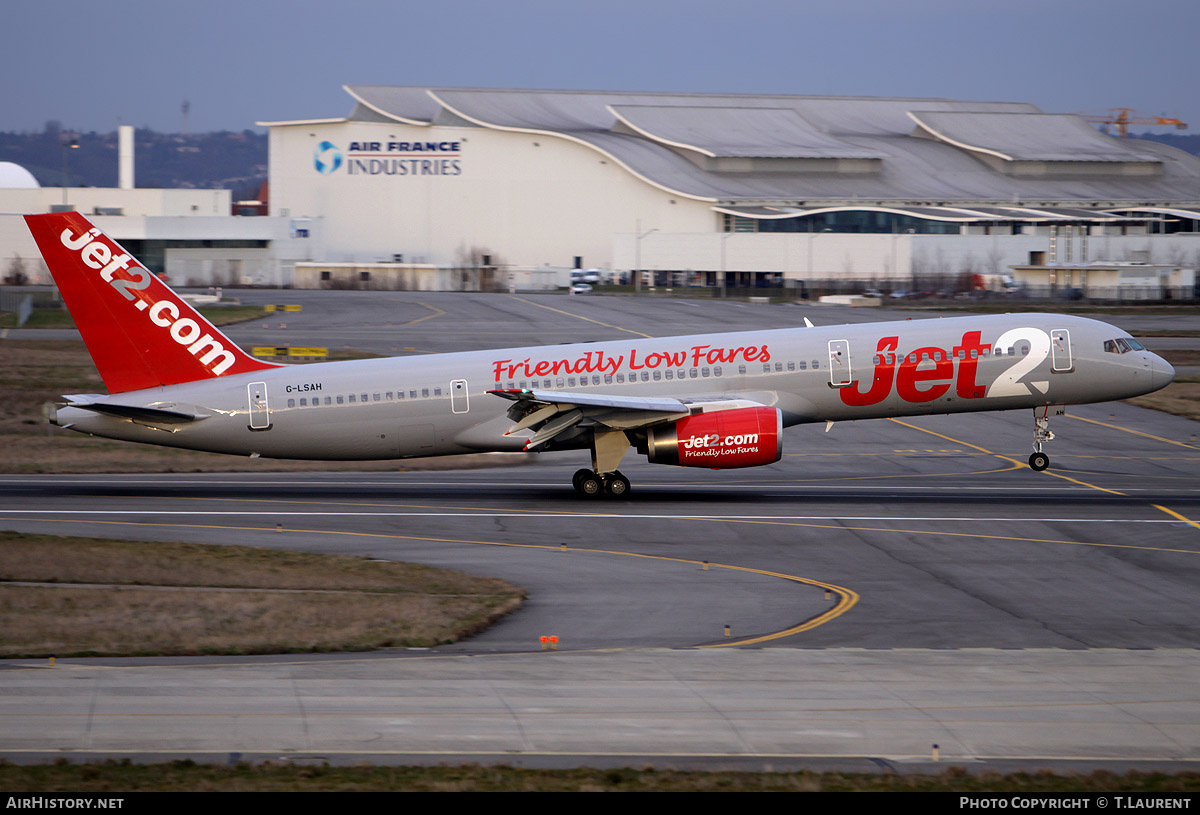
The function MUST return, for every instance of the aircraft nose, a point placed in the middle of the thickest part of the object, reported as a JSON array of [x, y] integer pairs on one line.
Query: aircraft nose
[[1163, 371]]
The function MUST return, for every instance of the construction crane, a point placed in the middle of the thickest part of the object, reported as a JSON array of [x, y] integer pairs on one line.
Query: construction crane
[[1122, 118]]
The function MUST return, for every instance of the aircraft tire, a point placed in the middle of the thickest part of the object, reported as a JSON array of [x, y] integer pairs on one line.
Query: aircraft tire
[[579, 475], [616, 485], [590, 485], [1038, 462]]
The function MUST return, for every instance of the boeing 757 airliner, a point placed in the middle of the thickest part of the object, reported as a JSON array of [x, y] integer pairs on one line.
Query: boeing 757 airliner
[[709, 400]]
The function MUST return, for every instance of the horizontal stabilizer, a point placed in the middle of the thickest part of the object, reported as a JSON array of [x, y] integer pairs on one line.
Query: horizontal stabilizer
[[139, 413]]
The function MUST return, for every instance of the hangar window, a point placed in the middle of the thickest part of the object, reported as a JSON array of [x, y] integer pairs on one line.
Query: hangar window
[[364, 276], [326, 275]]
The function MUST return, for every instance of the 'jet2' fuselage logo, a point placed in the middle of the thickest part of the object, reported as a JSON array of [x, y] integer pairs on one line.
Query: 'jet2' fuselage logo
[[927, 374], [99, 255]]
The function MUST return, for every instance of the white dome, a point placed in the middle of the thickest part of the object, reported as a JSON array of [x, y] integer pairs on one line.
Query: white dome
[[16, 177]]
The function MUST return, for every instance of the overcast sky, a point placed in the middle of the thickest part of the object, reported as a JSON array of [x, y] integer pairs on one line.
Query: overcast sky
[[95, 65]]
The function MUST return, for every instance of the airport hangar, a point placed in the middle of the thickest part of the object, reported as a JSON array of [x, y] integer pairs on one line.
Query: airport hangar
[[443, 188], [767, 188]]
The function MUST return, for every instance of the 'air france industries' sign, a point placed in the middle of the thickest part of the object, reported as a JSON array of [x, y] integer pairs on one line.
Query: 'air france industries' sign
[[398, 158]]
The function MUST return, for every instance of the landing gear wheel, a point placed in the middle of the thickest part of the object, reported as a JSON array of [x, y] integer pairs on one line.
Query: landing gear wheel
[[1038, 461], [616, 485], [589, 484], [579, 474]]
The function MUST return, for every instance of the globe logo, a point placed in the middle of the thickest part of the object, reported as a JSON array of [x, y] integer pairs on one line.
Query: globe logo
[[327, 158]]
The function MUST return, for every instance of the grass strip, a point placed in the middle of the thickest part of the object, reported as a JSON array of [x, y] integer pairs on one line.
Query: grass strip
[[188, 776], [124, 598]]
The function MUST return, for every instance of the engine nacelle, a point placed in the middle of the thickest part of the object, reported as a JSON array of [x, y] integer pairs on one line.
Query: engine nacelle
[[745, 437]]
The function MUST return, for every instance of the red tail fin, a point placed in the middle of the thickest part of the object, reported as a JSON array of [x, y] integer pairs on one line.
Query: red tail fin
[[139, 332]]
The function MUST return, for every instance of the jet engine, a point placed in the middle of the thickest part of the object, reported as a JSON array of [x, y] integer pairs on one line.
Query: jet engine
[[723, 439]]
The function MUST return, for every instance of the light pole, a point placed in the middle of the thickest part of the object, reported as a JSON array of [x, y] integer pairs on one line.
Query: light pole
[[68, 145], [724, 238], [637, 272]]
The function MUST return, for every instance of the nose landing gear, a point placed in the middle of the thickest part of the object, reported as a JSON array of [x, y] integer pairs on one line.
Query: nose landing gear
[[1038, 460]]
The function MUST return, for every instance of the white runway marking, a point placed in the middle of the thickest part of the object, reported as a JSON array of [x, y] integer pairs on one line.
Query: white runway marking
[[559, 515]]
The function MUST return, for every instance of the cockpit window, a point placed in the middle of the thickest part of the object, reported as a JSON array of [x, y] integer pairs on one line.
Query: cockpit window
[[1122, 345]]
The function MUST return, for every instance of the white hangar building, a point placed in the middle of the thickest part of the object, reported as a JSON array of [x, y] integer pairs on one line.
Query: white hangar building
[[768, 187]]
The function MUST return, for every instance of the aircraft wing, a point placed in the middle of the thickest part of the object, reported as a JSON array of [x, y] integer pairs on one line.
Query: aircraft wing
[[551, 413]]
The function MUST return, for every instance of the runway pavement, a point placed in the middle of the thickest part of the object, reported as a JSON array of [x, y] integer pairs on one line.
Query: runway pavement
[[889, 585]]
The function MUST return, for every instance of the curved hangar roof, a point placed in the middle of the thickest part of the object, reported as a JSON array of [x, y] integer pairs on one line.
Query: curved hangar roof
[[744, 152]]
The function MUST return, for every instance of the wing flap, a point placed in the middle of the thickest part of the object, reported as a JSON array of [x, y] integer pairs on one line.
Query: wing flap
[[550, 414]]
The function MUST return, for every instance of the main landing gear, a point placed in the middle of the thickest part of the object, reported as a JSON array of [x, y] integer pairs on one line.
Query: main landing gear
[[608, 448], [592, 484], [1038, 460]]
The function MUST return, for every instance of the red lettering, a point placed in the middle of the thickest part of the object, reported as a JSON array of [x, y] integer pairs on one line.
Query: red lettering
[[910, 375], [881, 382], [969, 352]]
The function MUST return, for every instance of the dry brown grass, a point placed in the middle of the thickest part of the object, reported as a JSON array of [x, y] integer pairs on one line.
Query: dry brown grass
[[1180, 398], [227, 599]]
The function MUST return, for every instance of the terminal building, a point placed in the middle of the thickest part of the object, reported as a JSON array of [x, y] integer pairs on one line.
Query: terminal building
[[754, 189]]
